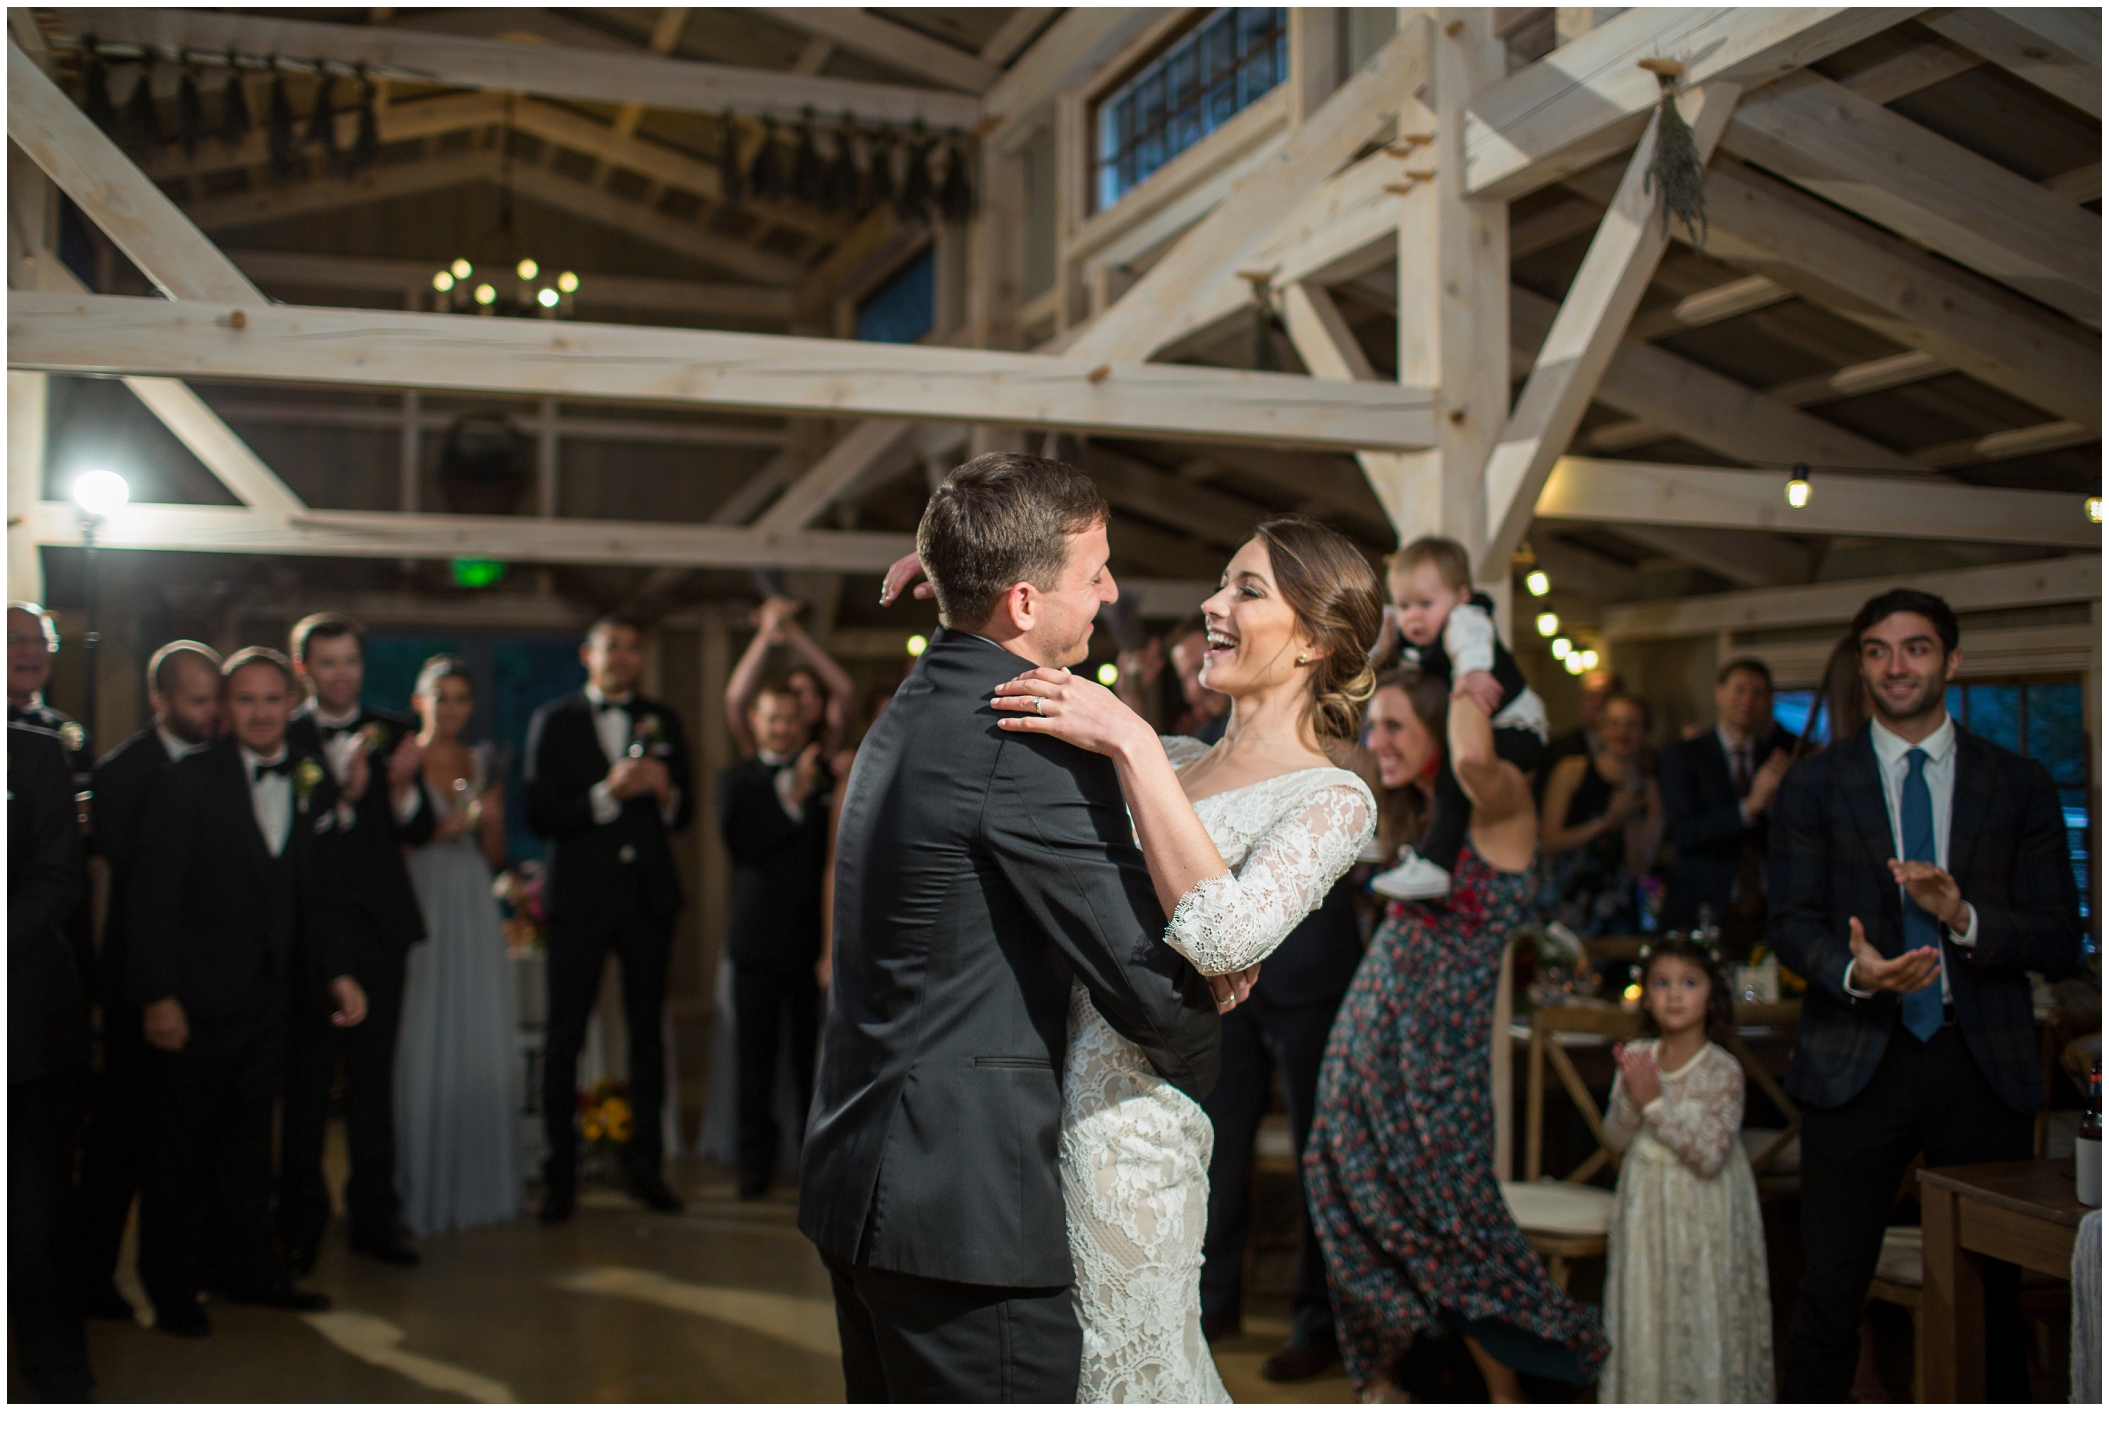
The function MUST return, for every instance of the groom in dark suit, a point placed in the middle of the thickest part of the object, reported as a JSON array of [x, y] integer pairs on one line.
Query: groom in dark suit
[[979, 872], [232, 926], [607, 783], [1919, 874], [365, 866]]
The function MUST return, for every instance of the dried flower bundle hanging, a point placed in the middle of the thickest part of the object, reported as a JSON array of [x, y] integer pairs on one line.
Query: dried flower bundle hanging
[[732, 180], [765, 178], [955, 198], [278, 127], [322, 121], [918, 187], [235, 120], [806, 173], [366, 145], [142, 121], [842, 185], [878, 177], [95, 81], [1675, 169], [190, 109]]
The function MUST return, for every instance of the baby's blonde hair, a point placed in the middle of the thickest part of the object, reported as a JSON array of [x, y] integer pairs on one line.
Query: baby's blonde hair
[[1450, 560]]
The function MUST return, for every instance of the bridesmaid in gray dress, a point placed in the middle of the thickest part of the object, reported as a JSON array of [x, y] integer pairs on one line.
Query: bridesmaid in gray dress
[[458, 1064]]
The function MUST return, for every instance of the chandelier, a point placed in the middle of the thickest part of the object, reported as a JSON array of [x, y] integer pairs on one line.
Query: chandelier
[[536, 294]]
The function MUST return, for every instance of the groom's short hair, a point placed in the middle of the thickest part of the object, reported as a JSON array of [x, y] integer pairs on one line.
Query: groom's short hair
[[1001, 519]]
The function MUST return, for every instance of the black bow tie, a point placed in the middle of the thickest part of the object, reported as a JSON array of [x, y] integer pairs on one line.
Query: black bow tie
[[338, 729], [609, 705], [283, 767]]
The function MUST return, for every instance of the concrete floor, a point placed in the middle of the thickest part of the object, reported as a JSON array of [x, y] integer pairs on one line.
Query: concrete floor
[[725, 1304]]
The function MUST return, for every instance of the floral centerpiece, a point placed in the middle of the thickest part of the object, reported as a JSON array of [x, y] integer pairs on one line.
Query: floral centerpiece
[[605, 1122]]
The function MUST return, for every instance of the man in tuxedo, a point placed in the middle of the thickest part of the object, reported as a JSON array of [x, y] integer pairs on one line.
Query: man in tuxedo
[[183, 687], [773, 815], [978, 872], [364, 866], [47, 1060], [1716, 789], [607, 783], [1919, 874], [32, 641], [230, 924]]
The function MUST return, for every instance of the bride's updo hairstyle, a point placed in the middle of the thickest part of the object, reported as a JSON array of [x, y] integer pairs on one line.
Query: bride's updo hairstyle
[[438, 667], [1332, 589]]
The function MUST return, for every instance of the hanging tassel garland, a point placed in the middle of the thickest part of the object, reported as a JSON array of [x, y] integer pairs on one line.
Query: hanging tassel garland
[[766, 178], [278, 125], [917, 187], [95, 88], [732, 181], [838, 191], [955, 198], [322, 121], [190, 109], [878, 179], [142, 122], [1675, 168], [366, 145], [806, 175], [235, 120]]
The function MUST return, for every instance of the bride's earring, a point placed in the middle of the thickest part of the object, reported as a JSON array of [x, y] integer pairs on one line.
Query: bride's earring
[[1303, 659]]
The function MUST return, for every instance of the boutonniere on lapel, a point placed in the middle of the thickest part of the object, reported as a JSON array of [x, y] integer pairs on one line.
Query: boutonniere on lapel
[[644, 734], [305, 779], [376, 736], [73, 736]]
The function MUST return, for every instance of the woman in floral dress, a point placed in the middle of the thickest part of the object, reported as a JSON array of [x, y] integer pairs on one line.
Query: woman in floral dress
[[1399, 1167]]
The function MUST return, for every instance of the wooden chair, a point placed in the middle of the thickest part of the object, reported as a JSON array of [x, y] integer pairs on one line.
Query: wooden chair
[[1899, 1275], [1775, 1153]]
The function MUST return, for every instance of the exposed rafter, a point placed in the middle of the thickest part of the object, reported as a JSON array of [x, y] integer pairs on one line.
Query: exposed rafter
[[2057, 49], [894, 45]]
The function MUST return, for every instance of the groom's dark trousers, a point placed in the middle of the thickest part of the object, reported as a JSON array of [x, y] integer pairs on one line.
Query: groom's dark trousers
[[978, 874]]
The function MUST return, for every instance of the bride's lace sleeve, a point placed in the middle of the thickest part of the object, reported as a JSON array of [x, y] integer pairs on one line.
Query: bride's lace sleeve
[[1700, 1125], [1226, 924], [1181, 750]]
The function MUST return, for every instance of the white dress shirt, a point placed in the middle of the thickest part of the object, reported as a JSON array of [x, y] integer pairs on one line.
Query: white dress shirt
[[337, 750], [616, 728], [272, 798], [785, 782], [1893, 762], [176, 748]]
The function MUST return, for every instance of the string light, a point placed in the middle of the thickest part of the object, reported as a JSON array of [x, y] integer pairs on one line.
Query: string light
[[1573, 664], [1798, 488], [2094, 510], [916, 644], [1548, 623], [486, 294], [443, 281], [1561, 648], [568, 282], [461, 269], [528, 270], [547, 296], [1589, 659], [1536, 582], [1108, 673]]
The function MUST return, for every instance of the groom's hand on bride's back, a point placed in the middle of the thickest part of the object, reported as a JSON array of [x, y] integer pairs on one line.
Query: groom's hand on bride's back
[[898, 576]]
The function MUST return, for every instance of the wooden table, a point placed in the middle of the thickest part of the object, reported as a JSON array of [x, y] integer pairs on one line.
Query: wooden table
[[2024, 1213]]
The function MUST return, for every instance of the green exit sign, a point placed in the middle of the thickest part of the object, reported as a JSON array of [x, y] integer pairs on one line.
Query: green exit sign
[[477, 571]]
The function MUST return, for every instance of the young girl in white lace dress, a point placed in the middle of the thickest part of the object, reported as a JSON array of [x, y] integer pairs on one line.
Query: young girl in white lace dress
[[1243, 839], [1686, 1300]]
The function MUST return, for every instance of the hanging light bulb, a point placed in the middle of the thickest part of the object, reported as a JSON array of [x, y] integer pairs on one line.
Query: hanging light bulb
[[1798, 488], [1548, 623], [1536, 582], [486, 294], [443, 281], [568, 282], [2094, 510], [528, 270], [1573, 664], [916, 644], [1589, 659], [461, 269], [548, 297], [1561, 648], [1108, 673]]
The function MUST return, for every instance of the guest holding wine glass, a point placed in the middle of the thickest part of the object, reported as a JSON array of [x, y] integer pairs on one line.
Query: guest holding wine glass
[[457, 1068]]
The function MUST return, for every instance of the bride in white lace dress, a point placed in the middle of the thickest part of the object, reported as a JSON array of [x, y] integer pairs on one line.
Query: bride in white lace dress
[[1243, 840]]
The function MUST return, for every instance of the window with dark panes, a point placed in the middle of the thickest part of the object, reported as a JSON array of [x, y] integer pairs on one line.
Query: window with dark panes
[[1211, 73], [2045, 720]]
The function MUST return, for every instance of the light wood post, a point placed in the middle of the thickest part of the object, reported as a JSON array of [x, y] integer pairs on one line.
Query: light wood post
[[28, 418], [713, 752]]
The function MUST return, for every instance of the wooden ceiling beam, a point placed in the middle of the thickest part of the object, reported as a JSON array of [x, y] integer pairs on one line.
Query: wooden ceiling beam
[[1014, 34], [1585, 489], [1749, 559], [2006, 445], [893, 45], [327, 192], [1859, 379], [1588, 99], [655, 226], [1910, 71], [1876, 163], [1073, 48], [610, 78], [2056, 49], [396, 121], [1708, 307], [719, 369]]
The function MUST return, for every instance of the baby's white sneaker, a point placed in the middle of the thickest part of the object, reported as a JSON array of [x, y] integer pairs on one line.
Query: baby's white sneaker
[[1415, 879]]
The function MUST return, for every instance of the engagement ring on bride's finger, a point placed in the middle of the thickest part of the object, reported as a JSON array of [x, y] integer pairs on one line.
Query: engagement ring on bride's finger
[[1040, 705]]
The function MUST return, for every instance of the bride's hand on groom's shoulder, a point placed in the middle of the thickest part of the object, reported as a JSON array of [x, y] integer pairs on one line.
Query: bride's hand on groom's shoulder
[[1072, 709], [908, 569]]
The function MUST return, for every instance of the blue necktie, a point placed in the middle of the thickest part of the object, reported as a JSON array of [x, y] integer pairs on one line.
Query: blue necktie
[[1922, 1009]]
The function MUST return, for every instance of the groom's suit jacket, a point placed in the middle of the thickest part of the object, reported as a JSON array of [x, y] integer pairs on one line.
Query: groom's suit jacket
[[978, 872]]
